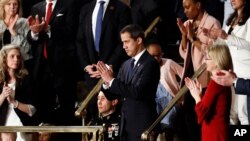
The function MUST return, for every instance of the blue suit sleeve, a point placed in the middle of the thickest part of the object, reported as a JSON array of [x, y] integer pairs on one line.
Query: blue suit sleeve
[[243, 86]]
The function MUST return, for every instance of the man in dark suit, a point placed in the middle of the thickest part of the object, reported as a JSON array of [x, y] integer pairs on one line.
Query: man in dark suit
[[135, 84], [54, 63], [229, 78], [116, 15]]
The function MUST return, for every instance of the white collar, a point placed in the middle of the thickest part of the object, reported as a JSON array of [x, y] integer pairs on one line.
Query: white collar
[[53, 1], [106, 1], [138, 56]]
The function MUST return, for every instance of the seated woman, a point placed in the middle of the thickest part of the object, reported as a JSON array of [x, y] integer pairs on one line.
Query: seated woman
[[16, 96], [167, 88]]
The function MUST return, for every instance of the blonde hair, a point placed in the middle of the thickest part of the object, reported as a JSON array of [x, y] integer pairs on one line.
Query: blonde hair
[[220, 53], [5, 2], [20, 72]]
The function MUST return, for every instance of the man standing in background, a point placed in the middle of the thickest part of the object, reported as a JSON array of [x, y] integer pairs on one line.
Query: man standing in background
[[98, 39], [136, 83]]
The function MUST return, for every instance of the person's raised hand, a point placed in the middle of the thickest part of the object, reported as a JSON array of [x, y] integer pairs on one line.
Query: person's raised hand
[[35, 25], [223, 77], [12, 25], [181, 27], [195, 88], [105, 71]]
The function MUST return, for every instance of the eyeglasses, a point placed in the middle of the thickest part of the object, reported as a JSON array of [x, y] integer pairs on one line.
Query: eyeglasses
[[207, 59]]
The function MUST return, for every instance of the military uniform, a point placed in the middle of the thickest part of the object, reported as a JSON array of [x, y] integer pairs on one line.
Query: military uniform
[[111, 124]]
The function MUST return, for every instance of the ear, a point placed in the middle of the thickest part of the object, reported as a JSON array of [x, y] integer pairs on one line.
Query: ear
[[198, 5], [114, 102], [139, 40]]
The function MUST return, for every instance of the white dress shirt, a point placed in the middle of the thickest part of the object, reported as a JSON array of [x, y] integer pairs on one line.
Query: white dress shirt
[[94, 14]]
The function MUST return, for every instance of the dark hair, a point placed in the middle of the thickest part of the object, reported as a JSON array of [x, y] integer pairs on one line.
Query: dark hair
[[152, 41], [135, 31], [245, 14], [110, 96], [202, 2]]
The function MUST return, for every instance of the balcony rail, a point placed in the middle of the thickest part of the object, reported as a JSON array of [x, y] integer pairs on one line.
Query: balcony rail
[[146, 134], [95, 130]]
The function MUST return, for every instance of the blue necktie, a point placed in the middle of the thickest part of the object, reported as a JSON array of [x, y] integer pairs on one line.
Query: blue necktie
[[131, 69], [98, 29]]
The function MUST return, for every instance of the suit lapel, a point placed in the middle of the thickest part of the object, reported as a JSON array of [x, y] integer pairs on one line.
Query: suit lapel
[[88, 29], [202, 23], [138, 66], [108, 14], [89, 22], [237, 29], [58, 7]]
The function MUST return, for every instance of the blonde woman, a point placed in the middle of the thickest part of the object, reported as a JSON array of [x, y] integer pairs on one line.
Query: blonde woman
[[192, 49], [16, 108], [213, 108], [13, 28], [237, 36]]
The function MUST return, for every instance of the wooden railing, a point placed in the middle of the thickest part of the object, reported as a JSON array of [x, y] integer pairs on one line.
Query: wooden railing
[[95, 130], [91, 94], [152, 26], [146, 134]]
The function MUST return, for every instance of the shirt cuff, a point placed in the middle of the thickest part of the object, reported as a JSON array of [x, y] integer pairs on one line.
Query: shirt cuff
[[32, 110], [110, 83], [34, 36], [49, 32], [106, 86], [235, 82]]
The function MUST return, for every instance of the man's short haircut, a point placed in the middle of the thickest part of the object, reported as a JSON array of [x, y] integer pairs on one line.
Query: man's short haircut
[[134, 30]]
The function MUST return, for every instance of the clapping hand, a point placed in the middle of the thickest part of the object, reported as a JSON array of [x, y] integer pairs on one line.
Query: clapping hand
[[182, 27], [92, 71], [105, 71], [35, 25], [190, 31], [7, 93], [195, 88], [12, 25], [215, 33]]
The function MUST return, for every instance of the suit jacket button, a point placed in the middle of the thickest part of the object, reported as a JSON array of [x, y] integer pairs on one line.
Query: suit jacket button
[[124, 99]]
